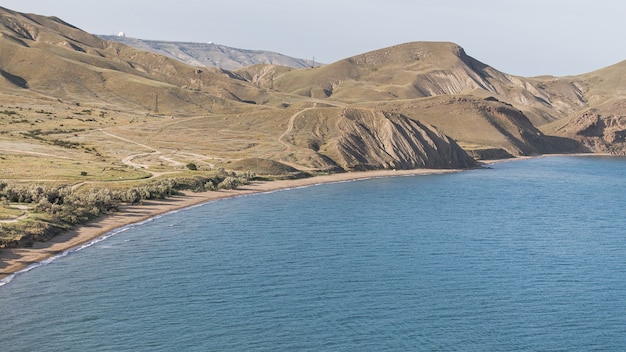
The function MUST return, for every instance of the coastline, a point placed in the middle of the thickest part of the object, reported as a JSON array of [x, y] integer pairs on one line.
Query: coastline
[[15, 260]]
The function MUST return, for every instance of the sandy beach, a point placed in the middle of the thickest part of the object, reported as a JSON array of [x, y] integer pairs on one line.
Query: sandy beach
[[17, 259]]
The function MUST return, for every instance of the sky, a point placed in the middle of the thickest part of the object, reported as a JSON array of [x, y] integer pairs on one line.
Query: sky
[[520, 37]]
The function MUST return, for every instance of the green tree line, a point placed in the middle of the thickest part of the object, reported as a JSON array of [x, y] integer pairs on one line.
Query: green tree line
[[56, 209]]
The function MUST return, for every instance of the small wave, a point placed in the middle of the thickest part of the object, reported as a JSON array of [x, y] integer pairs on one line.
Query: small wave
[[112, 233], [67, 252], [6, 280]]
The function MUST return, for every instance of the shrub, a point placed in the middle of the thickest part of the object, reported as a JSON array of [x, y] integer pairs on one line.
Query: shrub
[[229, 182], [58, 208]]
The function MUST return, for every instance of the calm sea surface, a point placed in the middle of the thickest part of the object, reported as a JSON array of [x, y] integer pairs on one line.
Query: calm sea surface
[[527, 256]]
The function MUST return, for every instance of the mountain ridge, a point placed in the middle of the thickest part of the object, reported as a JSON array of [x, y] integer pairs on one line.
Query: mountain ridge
[[299, 116], [411, 72], [83, 72], [210, 54]]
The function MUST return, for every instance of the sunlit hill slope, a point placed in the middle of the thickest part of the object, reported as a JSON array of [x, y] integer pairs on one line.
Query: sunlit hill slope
[[420, 104]]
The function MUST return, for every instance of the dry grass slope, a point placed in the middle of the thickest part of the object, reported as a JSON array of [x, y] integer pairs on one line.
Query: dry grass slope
[[93, 117], [397, 107]]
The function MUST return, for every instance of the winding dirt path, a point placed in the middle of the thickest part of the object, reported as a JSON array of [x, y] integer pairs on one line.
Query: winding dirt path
[[290, 126], [24, 215], [144, 167], [155, 152], [290, 146]]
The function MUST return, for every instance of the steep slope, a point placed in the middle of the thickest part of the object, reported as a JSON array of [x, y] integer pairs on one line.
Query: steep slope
[[597, 131], [417, 70], [210, 54], [363, 139], [50, 70], [484, 126], [601, 126], [375, 139], [49, 58], [440, 83]]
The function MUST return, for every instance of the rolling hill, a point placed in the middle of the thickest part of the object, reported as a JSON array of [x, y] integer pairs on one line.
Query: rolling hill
[[45, 57], [420, 104], [120, 105], [89, 122], [479, 106]]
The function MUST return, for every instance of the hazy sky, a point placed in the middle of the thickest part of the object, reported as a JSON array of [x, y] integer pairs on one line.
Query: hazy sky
[[525, 37]]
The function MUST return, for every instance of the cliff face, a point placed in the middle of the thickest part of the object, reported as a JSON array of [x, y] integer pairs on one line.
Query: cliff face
[[438, 83], [370, 139], [600, 126], [598, 132]]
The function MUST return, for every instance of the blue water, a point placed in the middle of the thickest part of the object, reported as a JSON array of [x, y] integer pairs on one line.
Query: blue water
[[527, 256]]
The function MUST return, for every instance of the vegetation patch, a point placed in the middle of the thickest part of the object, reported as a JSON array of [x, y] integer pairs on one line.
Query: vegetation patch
[[56, 209], [9, 213]]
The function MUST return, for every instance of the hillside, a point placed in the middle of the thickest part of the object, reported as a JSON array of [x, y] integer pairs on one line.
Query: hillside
[[45, 57], [68, 92], [210, 54], [470, 101], [601, 125], [87, 123], [420, 104]]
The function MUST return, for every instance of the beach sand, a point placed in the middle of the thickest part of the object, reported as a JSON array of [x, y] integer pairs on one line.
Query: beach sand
[[16, 259]]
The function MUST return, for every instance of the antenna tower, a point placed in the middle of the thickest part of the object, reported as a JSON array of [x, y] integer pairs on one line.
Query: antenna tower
[[199, 73]]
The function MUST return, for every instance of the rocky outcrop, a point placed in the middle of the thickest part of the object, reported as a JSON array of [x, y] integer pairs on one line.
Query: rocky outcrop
[[371, 139], [601, 133]]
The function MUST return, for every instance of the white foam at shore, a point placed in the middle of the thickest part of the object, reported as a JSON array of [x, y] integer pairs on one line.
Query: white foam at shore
[[67, 252]]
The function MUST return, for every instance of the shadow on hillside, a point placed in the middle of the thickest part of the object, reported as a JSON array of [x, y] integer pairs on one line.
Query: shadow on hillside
[[554, 145], [16, 80]]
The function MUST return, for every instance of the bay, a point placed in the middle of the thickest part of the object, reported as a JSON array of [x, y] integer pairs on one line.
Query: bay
[[528, 255]]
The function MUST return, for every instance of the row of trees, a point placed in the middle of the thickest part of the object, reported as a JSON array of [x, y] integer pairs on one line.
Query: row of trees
[[58, 208]]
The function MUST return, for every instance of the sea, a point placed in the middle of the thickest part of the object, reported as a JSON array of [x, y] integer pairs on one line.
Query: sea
[[527, 255]]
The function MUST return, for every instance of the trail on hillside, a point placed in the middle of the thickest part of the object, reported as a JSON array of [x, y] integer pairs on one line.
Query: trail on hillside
[[24, 215], [290, 126], [127, 140], [292, 119], [144, 167], [129, 160], [289, 146]]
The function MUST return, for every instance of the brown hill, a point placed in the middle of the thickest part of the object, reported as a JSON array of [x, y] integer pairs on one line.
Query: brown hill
[[383, 109], [51, 58], [481, 107], [439, 83], [217, 118], [365, 139], [483, 125], [600, 124], [410, 71]]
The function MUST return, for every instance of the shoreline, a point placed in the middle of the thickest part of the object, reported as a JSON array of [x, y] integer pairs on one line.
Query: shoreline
[[16, 260]]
